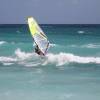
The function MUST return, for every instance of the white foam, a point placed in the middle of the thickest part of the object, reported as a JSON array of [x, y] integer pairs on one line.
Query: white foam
[[7, 64], [30, 64], [22, 55], [63, 58], [18, 31], [7, 59], [91, 46], [85, 46], [80, 32], [2, 42], [31, 59], [53, 45]]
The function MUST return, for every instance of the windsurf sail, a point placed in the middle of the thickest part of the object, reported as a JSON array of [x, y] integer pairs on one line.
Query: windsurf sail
[[38, 35]]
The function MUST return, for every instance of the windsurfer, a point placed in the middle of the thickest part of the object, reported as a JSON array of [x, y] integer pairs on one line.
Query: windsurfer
[[38, 51]]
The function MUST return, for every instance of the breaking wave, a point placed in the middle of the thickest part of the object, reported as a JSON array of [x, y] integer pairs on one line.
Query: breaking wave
[[32, 59], [63, 58], [22, 55]]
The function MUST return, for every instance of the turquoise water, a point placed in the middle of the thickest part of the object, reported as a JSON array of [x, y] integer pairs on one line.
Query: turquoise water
[[70, 70]]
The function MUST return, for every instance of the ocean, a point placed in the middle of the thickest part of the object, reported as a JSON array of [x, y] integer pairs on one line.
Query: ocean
[[70, 70]]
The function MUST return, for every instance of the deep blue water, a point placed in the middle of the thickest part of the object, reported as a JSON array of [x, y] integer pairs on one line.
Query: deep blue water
[[70, 70]]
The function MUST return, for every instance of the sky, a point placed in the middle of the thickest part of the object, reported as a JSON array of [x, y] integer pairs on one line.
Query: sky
[[50, 11]]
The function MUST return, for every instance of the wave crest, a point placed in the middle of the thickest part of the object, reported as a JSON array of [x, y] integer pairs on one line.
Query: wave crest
[[32, 59], [63, 58], [22, 55]]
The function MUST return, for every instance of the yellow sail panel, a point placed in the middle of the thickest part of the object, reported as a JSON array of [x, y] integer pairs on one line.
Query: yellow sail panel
[[32, 26], [39, 37]]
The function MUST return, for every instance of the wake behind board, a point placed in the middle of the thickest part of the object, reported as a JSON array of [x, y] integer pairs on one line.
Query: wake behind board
[[38, 35]]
